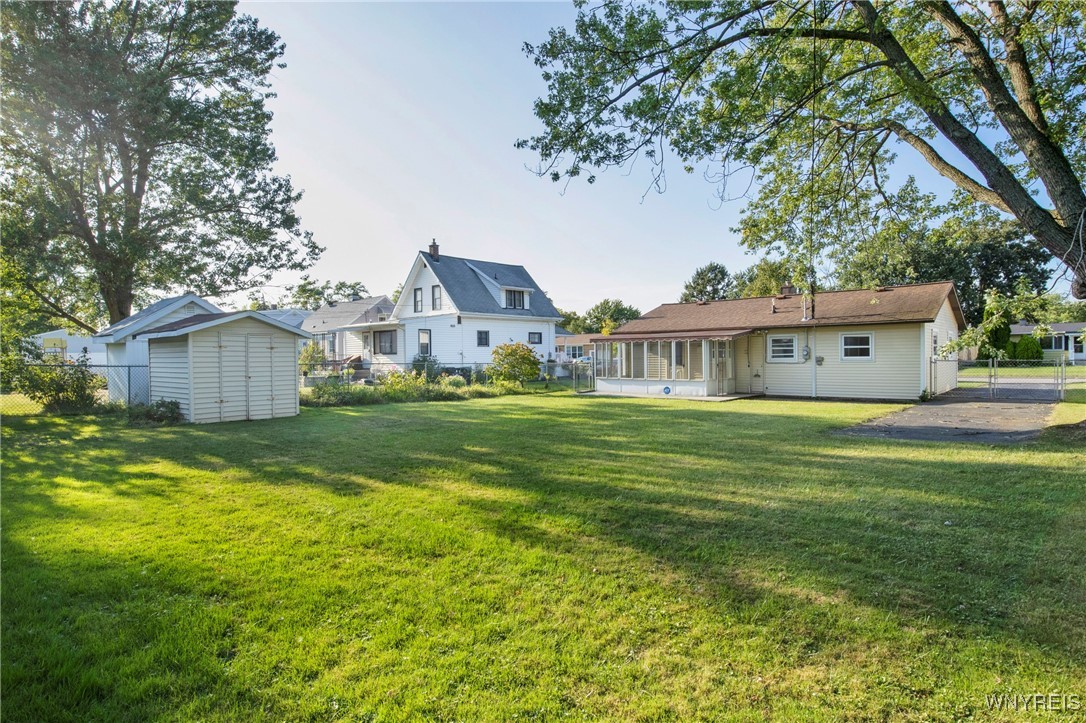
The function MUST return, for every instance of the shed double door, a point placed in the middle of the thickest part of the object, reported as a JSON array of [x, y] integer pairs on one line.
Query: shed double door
[[246, 374]]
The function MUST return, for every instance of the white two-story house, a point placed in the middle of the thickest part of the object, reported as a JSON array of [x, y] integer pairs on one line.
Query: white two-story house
[[457, 310]]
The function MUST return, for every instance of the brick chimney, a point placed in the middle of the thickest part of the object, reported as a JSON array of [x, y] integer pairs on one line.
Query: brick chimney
[[788, 290], [433, 250]]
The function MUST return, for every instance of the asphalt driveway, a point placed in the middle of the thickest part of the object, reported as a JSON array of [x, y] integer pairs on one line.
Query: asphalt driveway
[[1004, 421]]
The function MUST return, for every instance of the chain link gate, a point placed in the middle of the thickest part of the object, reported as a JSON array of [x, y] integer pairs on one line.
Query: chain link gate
[[1040, 380], [584, 377]]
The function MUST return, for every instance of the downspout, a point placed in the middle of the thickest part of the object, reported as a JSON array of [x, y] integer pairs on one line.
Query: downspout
[[813, 358]]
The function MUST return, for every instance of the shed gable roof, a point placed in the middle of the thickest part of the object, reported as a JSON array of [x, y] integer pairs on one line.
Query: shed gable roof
[[197, 322], [466, 280], [143, 318], [887, 305]]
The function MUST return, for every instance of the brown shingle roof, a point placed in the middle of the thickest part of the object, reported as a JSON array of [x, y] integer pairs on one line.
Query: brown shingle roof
[[886, 305]]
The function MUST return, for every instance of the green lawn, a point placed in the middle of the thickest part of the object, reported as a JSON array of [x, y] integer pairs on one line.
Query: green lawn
[[542, 556]]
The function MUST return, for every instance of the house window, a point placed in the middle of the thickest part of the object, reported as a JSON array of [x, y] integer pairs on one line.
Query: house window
[[861, 347], [382, 317], [482, 338], [435, 297], [1048, 343], [535, 337], [782, 348], [424, 342], [386, 341], [934, 344], [514, 299], [418, 300]]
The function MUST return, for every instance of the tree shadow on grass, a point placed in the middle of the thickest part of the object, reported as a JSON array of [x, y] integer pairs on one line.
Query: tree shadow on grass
[[748, 507]]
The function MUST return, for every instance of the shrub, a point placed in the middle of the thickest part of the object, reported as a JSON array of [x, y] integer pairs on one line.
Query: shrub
[[312, 358], [1012, 349], [427, 366], [1029, 348], [164, 411], [514, 363], [403, 386], [456, 381], [60, 386], [337, 394], [464, 373]]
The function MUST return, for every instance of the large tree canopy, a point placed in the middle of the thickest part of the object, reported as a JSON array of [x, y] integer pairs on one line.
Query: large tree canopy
[[818, 95], [136, 153], [979, 254], [711, 282]]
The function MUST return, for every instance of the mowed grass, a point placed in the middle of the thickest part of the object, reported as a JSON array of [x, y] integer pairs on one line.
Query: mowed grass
[[545, 556]]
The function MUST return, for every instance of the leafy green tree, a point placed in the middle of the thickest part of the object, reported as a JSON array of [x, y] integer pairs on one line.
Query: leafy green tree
[[1056, 309], [572, 321], [818, 97], [136, 145], [764, 278], [312, 358], [978, 254], [514, 363], [312, 294], [608, 310], [711, 282], [396, 294]]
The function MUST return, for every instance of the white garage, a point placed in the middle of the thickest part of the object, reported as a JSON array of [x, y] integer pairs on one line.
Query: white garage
[[226, 367]]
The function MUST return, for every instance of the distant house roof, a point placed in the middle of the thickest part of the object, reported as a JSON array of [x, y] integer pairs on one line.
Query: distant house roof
[[344, 313], [294, 317], [466, 280], [196, 322], [145, 317], [576, 339], [1062, 327], [734, 317]]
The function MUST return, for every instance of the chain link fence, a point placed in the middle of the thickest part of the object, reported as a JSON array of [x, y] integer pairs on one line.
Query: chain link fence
[[1042, 380], [116, 384]]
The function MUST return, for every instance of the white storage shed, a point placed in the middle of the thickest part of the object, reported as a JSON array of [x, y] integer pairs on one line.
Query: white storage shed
[[226, 367]]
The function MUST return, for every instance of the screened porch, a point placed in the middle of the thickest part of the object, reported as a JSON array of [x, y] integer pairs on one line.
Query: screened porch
[[697, 367]]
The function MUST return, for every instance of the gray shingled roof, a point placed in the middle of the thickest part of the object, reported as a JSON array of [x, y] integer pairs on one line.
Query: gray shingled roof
[[469, 293], [344, 313], [885, 305], [134, 321], [1062, 327]]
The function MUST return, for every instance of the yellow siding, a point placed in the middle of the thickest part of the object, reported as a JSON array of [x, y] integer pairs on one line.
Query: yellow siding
[[895, 373], [942, 373], [790, 379]]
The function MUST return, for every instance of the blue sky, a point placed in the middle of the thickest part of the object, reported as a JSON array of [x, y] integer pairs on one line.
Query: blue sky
[[398, 121]]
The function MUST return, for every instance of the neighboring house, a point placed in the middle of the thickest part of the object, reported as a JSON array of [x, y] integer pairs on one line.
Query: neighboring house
[[570, 347], [1064, 340], [225, 367], [127, 354], [870, 344], [71, 346], [327, 323], [457, 310]]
